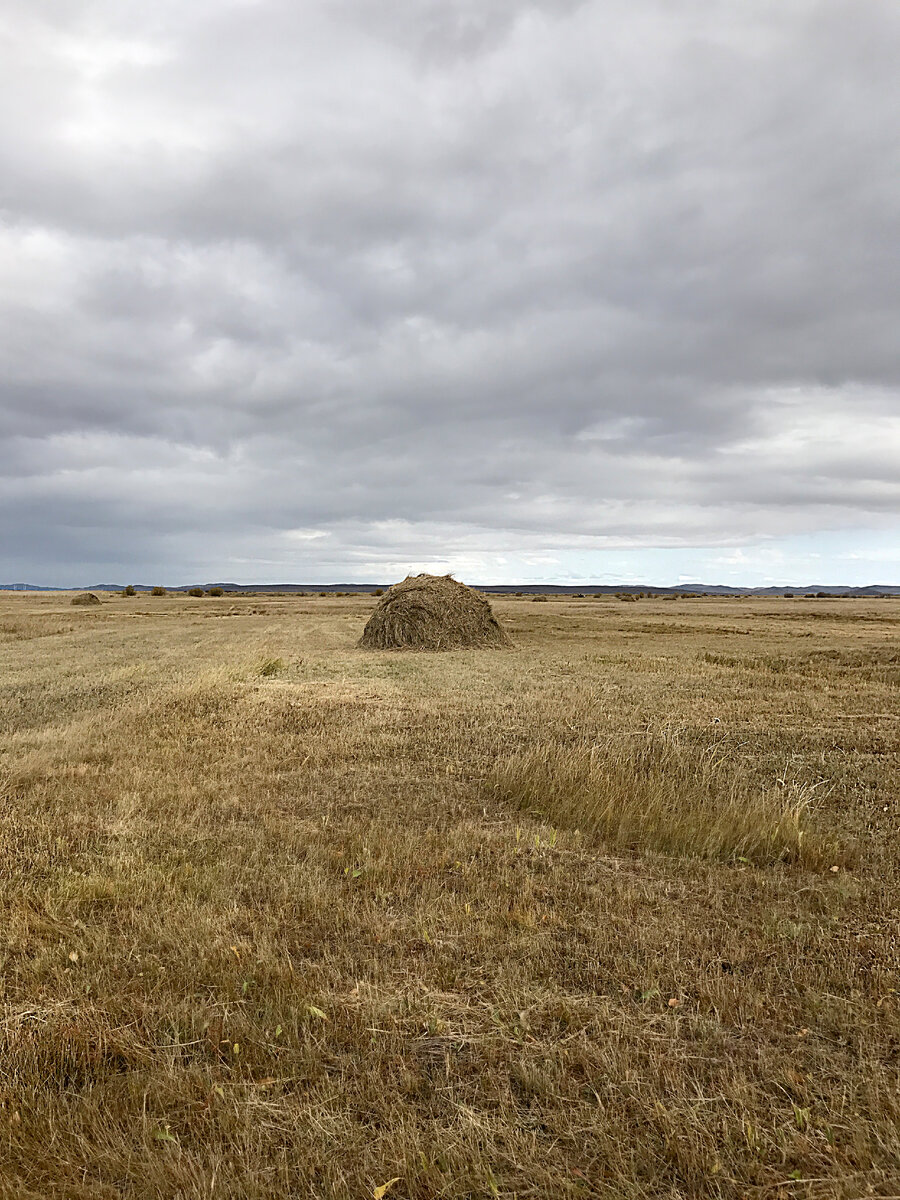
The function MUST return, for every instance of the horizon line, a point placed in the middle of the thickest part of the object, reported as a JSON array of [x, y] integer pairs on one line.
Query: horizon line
[[621, 585]]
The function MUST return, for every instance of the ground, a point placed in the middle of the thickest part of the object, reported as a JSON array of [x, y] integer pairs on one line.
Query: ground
[[283, 918]]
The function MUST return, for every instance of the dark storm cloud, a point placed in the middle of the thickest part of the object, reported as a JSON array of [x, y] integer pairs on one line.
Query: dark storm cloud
[[296, 286]]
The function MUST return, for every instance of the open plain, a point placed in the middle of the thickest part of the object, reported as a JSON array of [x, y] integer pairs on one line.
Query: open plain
[[613, 913]]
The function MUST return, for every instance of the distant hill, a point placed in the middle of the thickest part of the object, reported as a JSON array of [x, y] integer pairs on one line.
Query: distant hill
[[546, 589]]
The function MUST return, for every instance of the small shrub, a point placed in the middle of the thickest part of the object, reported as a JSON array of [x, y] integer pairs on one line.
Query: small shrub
[[378, 592], [158, 591], [271, 666], [216, 592], [195, 591], [129, 591], [323, 593], [656, 794]]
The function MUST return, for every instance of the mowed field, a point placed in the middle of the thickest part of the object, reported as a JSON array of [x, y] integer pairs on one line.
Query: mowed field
[[612, 914]]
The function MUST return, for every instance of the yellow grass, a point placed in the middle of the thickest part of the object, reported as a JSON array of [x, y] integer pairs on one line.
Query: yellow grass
[[281, 917], [657, 792]]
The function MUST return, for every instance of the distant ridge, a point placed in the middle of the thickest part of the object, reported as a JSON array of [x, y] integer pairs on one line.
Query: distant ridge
[[546, 589]]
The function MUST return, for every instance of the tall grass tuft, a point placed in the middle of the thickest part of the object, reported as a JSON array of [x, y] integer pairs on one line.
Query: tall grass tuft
[[658, 794], [270, 666]]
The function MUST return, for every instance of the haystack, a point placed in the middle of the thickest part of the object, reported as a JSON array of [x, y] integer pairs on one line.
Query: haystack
[[432, 612], [85, 598]]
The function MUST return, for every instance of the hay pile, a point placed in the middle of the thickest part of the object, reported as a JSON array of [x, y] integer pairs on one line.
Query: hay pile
[[85, 598], [432, 612]]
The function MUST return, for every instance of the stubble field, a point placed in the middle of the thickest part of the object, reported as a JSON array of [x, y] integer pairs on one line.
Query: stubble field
[[612, 914]]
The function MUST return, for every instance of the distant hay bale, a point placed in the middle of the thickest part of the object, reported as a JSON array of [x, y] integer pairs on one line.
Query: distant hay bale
[[538, 599], [85, 598], [432, 612]]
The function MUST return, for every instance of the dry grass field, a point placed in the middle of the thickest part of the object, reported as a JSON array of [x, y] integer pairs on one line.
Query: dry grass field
[[610, 914]]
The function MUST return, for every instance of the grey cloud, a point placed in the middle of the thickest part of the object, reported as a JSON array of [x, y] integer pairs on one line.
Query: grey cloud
[[531, 270]]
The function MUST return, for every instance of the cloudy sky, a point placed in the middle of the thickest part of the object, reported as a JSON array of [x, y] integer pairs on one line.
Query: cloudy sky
[[604, 290]]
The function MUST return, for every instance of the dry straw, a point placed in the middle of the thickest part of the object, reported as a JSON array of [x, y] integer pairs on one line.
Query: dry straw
[[659, 794], [432, 612]]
